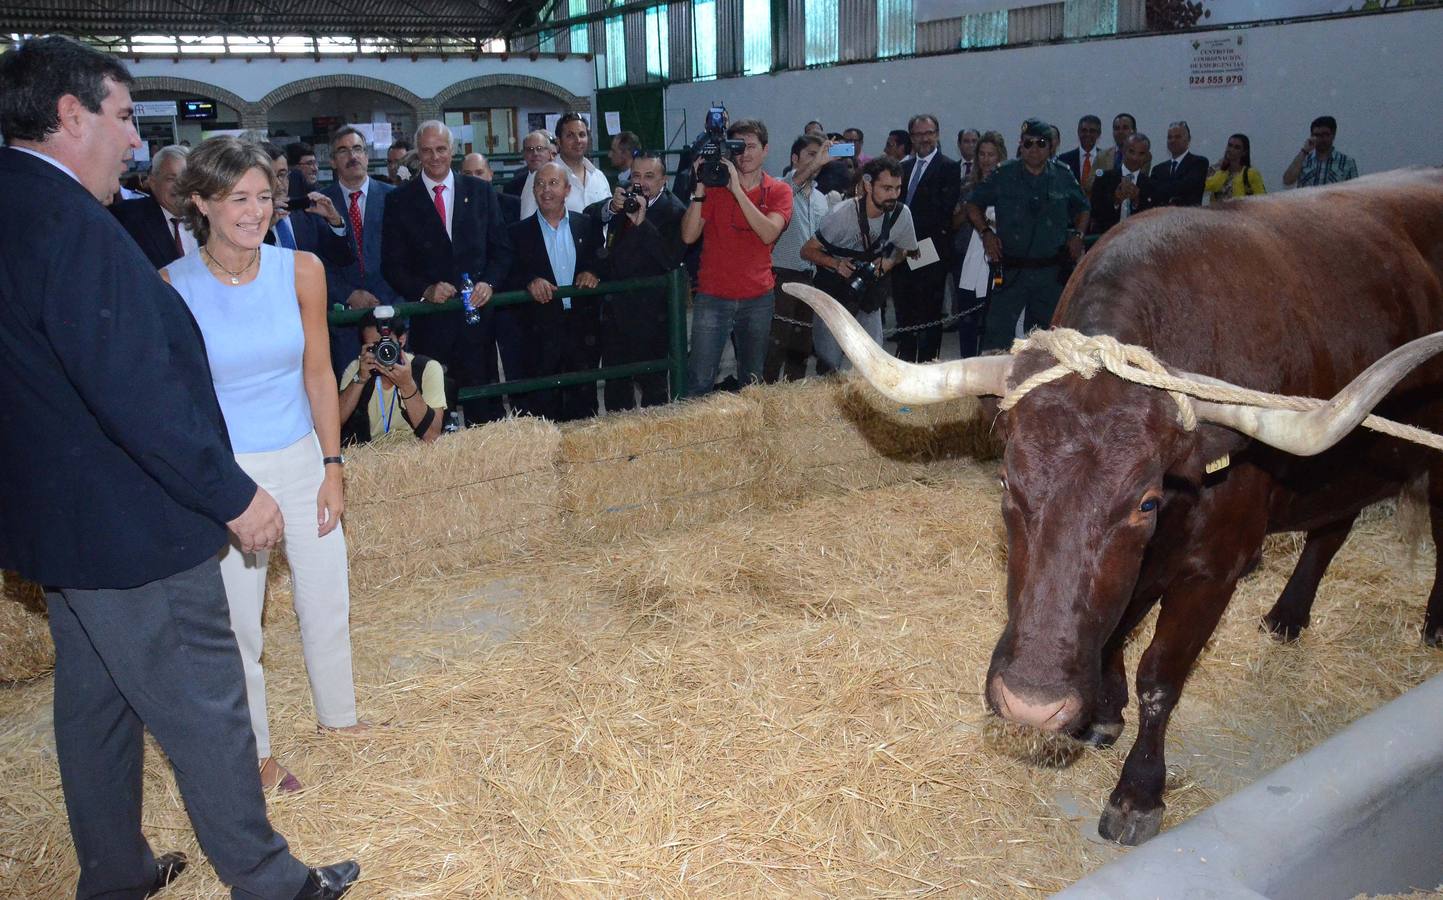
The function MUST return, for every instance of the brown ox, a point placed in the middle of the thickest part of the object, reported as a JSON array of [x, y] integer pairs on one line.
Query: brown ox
[[1108, 506]]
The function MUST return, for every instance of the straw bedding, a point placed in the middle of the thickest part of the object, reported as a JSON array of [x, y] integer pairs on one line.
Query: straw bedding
[[25, 648], [780, 703]]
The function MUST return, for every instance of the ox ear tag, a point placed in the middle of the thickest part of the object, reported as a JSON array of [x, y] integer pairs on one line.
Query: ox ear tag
[[1217, 465]]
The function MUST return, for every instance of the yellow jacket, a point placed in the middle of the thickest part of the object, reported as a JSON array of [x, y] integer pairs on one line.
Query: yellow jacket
[[1214, 185]]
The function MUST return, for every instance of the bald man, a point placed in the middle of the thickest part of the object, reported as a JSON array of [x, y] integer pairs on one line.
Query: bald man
[[477, 166]]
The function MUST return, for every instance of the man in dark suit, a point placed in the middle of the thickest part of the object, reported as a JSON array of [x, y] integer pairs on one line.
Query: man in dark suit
[[478, 166], [557, 248], [1082, 159], [362, 202], [1178, 181], [438, 227], [318, 229], [538, 148], [1119, 192], [640, 244], [157, 222], [932, 183], [119, 486]]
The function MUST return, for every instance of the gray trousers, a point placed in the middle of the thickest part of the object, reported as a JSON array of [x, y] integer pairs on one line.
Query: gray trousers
[[160, 657]]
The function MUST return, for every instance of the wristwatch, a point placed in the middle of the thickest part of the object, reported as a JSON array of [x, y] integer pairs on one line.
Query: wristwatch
[[333, 460]]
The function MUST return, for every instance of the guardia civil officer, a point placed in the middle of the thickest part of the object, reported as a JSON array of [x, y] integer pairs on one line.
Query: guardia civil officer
[[1041, 217]]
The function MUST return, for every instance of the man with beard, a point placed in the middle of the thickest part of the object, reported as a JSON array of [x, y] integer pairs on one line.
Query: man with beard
[[873, 230]]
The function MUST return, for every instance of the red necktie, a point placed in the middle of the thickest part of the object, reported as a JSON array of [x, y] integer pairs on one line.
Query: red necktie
[[175, 230], [440, 203], [357, 228], [1086, 167]]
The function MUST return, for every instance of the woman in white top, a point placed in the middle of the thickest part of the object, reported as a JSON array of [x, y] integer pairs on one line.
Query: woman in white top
[[262, 311], [976, 275]]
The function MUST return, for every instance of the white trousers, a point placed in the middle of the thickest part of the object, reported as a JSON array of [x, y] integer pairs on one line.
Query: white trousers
[[320, 579]]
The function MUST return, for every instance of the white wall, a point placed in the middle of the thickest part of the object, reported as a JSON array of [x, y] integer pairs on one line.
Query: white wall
[[1380, 75], [425, 77]]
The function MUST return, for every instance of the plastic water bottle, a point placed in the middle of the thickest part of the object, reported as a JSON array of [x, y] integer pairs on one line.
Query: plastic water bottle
[[473, 315]]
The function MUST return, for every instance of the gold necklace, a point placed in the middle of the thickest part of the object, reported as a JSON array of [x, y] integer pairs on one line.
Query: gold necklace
[[235, 277]]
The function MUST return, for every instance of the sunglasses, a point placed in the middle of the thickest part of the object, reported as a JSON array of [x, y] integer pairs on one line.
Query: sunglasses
[[1029, 143]]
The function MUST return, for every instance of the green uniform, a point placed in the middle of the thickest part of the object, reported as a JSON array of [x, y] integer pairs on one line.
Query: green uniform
[[1035, 214]]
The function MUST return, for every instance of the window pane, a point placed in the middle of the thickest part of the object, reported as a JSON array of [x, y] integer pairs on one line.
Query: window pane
[[896, 28], [658, 46], [984, 29], [548, 42], [615, 52], [822, 43], [703, 15], [580, 40], [757, 26]]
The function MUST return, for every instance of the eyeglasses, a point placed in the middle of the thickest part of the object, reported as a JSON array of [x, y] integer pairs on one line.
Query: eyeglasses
[[347, 151], [544, 148], [1029, 143]]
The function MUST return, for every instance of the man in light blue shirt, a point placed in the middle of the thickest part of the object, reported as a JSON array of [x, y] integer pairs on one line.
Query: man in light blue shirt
[[555, 248]]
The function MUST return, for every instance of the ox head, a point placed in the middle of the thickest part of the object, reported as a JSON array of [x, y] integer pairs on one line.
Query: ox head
[[1092, 470]]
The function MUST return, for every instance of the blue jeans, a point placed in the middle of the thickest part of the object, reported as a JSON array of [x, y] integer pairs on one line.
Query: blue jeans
[[825, 345], [714, 319]]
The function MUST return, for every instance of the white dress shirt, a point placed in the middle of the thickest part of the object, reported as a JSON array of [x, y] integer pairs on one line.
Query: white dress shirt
[[583, 193], [365, 190]]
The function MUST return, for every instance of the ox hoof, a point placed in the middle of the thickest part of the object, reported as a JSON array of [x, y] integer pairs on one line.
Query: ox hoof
[[1282, 630], [1129, 826], [1433, 637], [1102, 734]]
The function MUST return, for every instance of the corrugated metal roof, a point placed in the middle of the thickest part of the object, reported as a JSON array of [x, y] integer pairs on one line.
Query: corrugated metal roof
[[402, 19]]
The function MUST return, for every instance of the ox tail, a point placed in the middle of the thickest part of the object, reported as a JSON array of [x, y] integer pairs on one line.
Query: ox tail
[[1414, 518]]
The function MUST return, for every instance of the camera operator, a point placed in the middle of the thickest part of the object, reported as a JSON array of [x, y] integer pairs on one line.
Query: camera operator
[[742, 211], [855, 249], [641, 238], [372, 392], [790, 345]]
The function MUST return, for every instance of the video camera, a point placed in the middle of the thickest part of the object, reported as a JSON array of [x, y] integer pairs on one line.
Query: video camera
[[387, 350], [713, 147], [632, 199]]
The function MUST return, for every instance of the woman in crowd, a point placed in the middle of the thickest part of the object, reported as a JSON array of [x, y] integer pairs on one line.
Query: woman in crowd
[[1234, 175], [976, 276], [262, 311]]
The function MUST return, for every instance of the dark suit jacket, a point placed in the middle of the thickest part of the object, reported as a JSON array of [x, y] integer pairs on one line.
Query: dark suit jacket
[[149, 224], [1183, 189], [314, 235], [1073, 160], [531, 261], [1106, 213], [935, 200], [653, 248], [415, 251], [115, 467], [510, 207], [342, 280]]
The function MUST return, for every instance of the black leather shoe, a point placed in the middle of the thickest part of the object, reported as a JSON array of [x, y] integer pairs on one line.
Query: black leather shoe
[[167, 869], [330, 882]]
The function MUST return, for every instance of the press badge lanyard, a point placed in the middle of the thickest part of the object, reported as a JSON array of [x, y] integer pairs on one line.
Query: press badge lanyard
[[381, 409]]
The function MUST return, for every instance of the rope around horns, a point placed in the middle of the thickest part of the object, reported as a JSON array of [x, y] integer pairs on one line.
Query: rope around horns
[[1080, 354]]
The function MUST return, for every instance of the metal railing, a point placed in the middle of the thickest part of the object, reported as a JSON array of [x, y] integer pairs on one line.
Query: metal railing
[[673, 364]]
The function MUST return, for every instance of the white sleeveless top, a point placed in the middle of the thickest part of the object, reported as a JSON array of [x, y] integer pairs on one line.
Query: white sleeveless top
[[255, 344]]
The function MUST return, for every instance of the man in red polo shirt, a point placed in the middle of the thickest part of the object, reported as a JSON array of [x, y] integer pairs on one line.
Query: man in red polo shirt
[[740, 223]]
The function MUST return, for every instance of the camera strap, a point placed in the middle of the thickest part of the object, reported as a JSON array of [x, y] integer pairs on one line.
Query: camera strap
[[383, 411]]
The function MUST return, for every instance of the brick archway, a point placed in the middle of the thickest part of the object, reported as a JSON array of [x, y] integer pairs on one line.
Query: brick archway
[[322, 82], [570, 101], [247, 110]]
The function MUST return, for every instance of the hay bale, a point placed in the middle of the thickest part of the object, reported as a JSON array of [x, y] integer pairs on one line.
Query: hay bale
[[651, 469], [834, 434], [26, 650], [474, 496]]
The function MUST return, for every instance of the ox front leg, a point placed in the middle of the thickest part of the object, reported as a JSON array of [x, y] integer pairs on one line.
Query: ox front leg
[[1433, 618], [1189, 614], [1294, 609]]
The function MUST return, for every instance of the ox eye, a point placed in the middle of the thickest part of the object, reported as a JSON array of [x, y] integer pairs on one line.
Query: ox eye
[[1148, 505]]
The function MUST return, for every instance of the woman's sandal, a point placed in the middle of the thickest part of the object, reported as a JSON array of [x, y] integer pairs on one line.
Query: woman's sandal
[[275, 776]]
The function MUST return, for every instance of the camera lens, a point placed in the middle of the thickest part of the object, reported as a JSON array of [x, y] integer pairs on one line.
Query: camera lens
[[387, 352]]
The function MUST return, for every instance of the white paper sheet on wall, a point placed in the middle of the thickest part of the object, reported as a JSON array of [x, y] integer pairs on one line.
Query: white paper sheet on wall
[[613, 123]]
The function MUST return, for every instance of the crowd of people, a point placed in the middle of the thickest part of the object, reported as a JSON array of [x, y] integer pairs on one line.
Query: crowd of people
[[195, 427]]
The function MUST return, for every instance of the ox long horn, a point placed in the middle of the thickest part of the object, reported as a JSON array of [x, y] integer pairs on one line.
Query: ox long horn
[[903, 381], [1306, 433]]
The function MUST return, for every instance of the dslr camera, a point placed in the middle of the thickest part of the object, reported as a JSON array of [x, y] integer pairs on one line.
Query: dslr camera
[[864, 276], [713, 147], [387, 350]]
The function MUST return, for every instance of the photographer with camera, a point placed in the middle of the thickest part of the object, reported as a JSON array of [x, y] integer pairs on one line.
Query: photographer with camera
[[386, 379], [741, 211], [641, 238], [790, 343], [855, 249]]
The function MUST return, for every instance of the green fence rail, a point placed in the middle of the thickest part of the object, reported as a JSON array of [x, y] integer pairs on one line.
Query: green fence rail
[[674, 363]]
